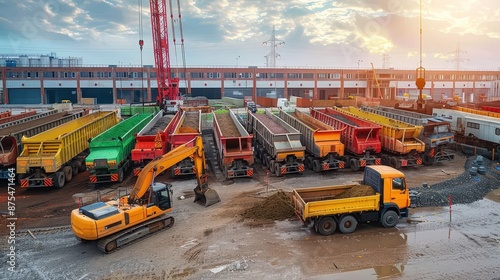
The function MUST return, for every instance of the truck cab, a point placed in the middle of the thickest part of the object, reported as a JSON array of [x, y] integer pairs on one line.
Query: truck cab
[[283, 104], [391, 185]]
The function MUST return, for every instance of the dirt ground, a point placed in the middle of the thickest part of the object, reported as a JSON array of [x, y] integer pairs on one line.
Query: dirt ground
[[235, 240]]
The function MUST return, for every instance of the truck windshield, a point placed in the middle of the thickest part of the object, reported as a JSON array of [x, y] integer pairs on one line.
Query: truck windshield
[[398, 184]]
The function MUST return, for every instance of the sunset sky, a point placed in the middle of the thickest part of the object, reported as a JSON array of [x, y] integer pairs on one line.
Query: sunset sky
[[321, 33]]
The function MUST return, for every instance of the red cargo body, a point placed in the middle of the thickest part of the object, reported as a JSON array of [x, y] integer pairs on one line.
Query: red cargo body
[[490, 108], [234, 146], [184, 127], [151, 141], [11, 118], [361, 138]]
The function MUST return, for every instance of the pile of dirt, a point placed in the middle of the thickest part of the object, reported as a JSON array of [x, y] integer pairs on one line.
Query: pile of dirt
[[275, 207], [361, 190], [186, 129]]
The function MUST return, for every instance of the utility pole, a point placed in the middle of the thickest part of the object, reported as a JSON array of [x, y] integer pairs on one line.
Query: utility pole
[[274, 43], [456, 57]]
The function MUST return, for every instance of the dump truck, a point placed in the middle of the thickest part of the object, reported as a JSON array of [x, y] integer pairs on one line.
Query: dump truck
[[400, 142], [109, 156], [436, 133], [324, 149], [28, 118], [276, 143], [19, 116], [382, 196], [10, 137], [151, 141], [53, 157], [361, 138], [184, 127], [234, 146]]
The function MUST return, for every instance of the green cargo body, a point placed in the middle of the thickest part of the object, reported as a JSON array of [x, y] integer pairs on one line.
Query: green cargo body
[[53, 157], [110, 151]]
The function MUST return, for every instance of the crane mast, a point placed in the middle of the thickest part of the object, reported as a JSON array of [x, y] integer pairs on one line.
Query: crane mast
[[168, 87]]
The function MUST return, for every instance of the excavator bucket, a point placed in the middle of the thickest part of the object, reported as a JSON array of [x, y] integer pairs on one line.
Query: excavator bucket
[[206, 196]]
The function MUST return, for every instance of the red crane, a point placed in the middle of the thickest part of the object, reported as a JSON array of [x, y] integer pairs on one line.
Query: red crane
[[168, 87]]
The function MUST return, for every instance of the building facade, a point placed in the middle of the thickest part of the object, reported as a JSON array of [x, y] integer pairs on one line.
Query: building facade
[[119, 84]]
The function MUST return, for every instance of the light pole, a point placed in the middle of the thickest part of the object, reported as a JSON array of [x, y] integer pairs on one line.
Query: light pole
[[357, 78], [237, 58]]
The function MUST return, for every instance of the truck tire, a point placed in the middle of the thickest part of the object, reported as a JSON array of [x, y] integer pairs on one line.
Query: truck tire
[[347, 161], [385, 159], [308, 162], [59, 180], [327, 226], [120, 175], [354, 164], [271, 164], [347, 224], [394, 162], [390, 219], [75, 168], [68, 173], [317, 166], [277, 170], [427, 159]]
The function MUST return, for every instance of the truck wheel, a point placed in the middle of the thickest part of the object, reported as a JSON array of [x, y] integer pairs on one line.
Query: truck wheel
[[278, 169], [74, 167], [347, 160], [268, 161], [385, 159], [68, 173], [317, 166], [120, 175], [59, 180], [327, 226], [427, 160], [271, 164], [394, 163], [308, 163], [390, 219], [354, 164], [347, 224]]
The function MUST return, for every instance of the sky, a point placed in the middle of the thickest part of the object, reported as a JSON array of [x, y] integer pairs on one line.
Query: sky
[[461, 34]]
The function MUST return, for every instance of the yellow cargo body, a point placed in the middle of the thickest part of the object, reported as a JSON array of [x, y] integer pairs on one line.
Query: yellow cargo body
[[317, 202], [53, 149], [396, 136]]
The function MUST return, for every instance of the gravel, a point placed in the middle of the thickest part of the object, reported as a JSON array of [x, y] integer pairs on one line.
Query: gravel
[[465, 188]]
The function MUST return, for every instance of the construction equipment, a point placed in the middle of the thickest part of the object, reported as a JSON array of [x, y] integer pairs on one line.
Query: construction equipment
[[382, 197], [399, 139], [151, 141], [436, 133], [361, 138], [322, 142], [276, 143], [119, 222], [27, 119], [53, 157], [17, 117], [109, 156], [234, 146], [10, 137]]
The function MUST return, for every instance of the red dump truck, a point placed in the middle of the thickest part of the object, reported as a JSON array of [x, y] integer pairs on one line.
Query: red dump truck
[[234, 146], [361, 138], [184, 127], [11, 118], [323, 146], [151, 141]]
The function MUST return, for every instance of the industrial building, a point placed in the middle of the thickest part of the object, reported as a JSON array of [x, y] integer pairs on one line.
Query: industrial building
[[125, 84]]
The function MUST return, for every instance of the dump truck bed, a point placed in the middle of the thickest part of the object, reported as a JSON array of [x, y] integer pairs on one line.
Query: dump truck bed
[[278, 138], [55, 147], [396, 136], [358, 135], [319, 138], [321, 201]]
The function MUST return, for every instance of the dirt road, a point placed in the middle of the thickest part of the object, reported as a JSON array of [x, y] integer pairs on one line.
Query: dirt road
[[218, 243]]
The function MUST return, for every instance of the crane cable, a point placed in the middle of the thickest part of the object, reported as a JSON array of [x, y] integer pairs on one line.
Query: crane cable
[[175, 40], [141, 44]]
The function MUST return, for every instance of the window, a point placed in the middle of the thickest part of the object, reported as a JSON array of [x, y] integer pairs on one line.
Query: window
[[398, 184], [214, 75], [197, 75], [231, 75], [473, 125], [497, 131]]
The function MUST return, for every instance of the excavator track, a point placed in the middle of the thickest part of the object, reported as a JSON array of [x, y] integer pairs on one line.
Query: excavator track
[[115, 242]]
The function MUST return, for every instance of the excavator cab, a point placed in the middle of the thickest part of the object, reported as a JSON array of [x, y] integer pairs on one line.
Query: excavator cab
[[161, 195]]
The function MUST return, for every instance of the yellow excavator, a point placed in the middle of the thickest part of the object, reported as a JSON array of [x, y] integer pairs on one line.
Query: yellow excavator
[[118, 222]]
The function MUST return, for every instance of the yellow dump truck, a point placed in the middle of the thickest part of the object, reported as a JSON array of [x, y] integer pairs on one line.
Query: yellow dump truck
[[400, 140], [382, 197], [53, 157]]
